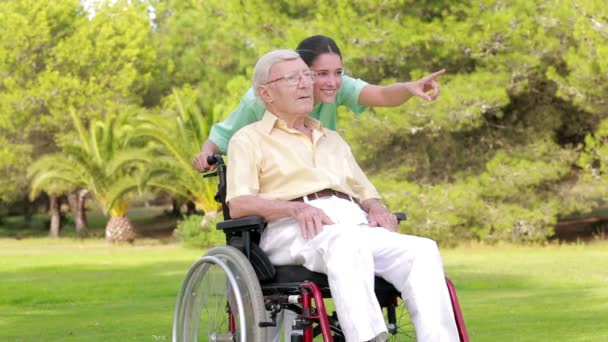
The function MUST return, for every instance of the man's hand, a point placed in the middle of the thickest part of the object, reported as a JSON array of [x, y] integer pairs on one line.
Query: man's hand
[[378, 215], [427, 87], [199, 163], [310, 219]]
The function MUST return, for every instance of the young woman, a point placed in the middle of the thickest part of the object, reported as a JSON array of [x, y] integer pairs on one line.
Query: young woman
[[332, 88]]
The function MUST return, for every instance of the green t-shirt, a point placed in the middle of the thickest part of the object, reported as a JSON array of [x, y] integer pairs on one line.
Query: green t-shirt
[[251, 110]]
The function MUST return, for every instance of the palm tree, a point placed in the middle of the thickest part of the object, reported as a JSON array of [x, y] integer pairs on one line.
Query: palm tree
[[179, 137], [106, 161], [54, 188]]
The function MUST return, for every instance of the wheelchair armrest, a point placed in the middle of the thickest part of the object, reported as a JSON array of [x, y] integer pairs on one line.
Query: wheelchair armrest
[[257, 223], [242, 226], [400, 217], [246, 223]]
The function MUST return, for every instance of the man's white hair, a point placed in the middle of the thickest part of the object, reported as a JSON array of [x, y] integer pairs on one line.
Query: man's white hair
[[261, 71]]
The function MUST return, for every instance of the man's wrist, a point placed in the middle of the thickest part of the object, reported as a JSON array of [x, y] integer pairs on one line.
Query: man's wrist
[[381, 204], [370, 203]]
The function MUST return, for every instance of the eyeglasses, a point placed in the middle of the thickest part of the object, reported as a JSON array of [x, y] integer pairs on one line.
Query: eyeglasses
[[293, 78]]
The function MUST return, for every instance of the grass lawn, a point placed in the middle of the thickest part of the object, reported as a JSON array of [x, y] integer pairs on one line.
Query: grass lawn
[[553, 293], [70, 290], [87, 290]]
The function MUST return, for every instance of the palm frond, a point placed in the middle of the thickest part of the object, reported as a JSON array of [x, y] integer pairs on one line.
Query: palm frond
[[124, 158], [52, 183], [118, 191], [179, 136], [80, 129], [95, 130]]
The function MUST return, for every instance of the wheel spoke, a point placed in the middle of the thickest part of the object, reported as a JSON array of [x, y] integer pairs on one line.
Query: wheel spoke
[[405, 328], [208, 298]]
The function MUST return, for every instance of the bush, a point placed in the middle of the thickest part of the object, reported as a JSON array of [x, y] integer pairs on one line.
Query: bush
[[199, 231]]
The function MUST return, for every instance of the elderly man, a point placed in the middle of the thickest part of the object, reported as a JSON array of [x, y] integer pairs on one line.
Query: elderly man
[[323, 212]]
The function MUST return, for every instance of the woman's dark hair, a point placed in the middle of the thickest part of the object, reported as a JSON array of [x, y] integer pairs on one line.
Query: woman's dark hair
[[314, 46]]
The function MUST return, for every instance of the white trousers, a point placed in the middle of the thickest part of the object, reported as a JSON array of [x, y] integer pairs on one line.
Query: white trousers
[[351, 253]]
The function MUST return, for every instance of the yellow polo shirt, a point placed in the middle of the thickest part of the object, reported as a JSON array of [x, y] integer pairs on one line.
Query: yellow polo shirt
[[272, 161]]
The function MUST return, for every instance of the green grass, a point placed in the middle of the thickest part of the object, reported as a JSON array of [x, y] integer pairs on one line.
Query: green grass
[[68, 290], [553, 293], [88, 290]]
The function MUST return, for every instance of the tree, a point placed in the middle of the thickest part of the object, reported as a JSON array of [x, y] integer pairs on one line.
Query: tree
[[179, 131], [14, 159], [29, 30], [494, 157], [54, 57], [105, 160], [515, 142]]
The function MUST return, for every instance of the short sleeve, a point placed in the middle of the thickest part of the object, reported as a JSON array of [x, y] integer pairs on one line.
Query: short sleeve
[[243, 161], [249, 110], [349, 94]]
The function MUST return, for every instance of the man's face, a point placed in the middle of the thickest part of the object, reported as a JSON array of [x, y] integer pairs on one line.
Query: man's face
[[288, 96]]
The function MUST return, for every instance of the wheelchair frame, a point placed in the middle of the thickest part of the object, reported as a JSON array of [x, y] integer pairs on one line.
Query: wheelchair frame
[[253, 287]]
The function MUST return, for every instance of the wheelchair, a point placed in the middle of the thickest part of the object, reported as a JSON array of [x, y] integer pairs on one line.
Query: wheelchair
[[234, 293]]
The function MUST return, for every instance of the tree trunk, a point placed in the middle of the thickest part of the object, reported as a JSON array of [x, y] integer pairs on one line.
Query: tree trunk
[[28, 210], [82, 200], [76, 202], [120, 229], [55, 216], [175, 208], [190, 208], [82, 225]]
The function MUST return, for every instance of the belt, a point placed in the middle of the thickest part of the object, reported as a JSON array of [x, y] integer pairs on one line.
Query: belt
[[326, 193]]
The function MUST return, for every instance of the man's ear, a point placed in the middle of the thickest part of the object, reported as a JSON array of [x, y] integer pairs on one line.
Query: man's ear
[[264, 93]]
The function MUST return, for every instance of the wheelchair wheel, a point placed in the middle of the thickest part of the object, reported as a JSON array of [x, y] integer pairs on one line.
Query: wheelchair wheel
[[402, 329], [220, 300]]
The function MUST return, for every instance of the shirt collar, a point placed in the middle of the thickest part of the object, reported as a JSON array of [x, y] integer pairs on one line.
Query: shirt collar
[[269, 121]]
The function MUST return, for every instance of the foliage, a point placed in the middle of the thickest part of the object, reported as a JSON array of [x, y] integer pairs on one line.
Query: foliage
[[516, 140], [179, 130], [594, 159], [101, 159], [494, 158], [199, 231], [54, 57], [14, 159]]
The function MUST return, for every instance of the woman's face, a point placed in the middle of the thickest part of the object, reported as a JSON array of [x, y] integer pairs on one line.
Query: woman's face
[[328, 67]]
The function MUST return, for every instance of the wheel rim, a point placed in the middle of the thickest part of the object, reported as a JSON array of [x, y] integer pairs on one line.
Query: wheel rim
[[212, 300], [213, 294], [205, 302]]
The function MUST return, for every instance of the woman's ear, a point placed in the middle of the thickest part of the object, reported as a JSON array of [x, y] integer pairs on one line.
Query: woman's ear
[[264, 93]]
